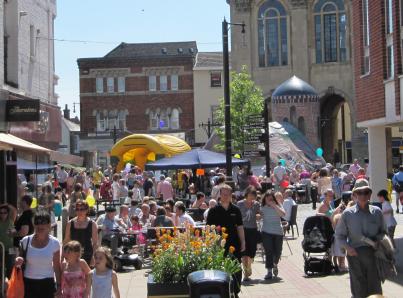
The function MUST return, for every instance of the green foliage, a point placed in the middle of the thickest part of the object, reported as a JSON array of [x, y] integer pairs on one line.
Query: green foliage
[[246, 99]]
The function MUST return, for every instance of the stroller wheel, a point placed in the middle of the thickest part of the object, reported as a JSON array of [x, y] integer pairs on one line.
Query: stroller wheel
[[117, 265]]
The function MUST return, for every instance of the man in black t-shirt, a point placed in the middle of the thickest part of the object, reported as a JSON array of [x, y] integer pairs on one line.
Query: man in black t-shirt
[[147, 185], [23, 225], [227, 215]]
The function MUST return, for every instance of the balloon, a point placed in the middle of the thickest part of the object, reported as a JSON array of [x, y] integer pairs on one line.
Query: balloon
[[91, 201], [319, 152], [284, 184], [57, 208], [237, 156], [282, 162], [34, 203], [151, 156]]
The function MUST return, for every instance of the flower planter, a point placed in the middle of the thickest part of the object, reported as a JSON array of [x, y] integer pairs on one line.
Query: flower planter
[[155, 290]]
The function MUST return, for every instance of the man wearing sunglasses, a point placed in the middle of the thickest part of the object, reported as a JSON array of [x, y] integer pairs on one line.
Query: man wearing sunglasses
[[358, 226]]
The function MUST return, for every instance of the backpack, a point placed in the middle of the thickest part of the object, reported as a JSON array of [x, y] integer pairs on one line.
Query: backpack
[[398, 186]]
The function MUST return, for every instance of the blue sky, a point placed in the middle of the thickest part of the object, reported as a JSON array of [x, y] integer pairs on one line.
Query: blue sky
[[111, 22]]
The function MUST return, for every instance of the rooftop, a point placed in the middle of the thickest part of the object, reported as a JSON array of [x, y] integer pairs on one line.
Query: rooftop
[[133, 50]]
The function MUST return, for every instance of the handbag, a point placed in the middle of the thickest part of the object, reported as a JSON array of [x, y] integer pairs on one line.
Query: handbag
[[16, 284]]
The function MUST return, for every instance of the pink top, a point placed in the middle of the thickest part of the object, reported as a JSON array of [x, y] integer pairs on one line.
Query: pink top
[[73, 284], [165, 188]]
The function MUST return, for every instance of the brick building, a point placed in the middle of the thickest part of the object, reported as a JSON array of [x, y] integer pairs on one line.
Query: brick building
[[377, 31], [136, 88]]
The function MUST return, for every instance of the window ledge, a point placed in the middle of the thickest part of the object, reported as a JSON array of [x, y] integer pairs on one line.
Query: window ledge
[[274, 67], [367, 74], [389, 80]]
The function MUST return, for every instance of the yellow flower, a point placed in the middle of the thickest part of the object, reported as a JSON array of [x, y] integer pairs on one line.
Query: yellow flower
[[231, 249], [224, 235], [223, 229]]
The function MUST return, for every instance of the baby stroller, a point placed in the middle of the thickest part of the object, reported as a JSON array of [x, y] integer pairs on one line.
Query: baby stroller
[[318, 236]]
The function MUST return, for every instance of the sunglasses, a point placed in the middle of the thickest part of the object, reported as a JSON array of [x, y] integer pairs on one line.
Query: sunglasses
[[363, 192], [4, 212], [81, 209]]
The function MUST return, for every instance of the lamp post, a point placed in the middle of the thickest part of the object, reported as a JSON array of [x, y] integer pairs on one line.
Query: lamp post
[[227, 115]]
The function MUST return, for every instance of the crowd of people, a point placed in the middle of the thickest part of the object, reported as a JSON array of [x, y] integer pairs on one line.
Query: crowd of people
[[256, 209]]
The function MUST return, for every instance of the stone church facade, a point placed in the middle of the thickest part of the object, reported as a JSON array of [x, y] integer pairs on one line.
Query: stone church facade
[[312, 40]]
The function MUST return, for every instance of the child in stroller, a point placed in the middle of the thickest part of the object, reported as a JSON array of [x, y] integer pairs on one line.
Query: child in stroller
[[318, 235]]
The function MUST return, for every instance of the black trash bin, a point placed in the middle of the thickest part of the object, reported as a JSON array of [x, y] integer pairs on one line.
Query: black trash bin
[[209, 284], [314, 196]]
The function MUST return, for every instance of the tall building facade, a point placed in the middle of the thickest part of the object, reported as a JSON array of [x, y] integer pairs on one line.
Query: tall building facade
[[310, 39], [135, 88], [208, 89], [27, 68], [377, 31]]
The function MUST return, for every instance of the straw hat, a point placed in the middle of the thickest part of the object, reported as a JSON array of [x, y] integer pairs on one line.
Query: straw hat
[[361, 184]]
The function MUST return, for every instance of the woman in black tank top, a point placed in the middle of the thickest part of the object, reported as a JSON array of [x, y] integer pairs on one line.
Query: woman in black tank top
[[83, 230]]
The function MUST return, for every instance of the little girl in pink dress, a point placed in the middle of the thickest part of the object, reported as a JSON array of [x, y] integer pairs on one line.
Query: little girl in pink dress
[[74, 271]]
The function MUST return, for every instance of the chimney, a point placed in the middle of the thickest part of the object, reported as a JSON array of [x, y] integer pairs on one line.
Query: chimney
[[66, 113]]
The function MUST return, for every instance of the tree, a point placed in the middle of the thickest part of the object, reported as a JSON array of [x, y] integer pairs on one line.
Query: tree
[[246, 99]]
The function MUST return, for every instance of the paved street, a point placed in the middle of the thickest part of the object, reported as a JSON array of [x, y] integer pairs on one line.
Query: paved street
[[292, 280]]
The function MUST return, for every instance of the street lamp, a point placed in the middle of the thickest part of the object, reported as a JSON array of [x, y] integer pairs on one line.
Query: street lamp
[[227, 116]]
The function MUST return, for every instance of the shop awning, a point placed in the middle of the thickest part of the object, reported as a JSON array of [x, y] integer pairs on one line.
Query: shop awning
[[10, 142]]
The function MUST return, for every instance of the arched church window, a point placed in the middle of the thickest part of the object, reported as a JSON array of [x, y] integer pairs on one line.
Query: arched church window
[[301, 124], [272, 34], [293, 115], [175, 119], [330, 31]]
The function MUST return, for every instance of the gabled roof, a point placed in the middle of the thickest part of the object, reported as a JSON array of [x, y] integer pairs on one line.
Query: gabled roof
[[209, 60], [71, 126], [162, 49]]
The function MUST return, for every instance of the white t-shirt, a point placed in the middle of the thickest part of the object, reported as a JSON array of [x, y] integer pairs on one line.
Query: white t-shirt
[[279, 173], [39, 262], [287, 205], [186, 218], [389, 219]]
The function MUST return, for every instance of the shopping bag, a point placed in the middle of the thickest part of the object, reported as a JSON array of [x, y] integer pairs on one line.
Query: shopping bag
[[16, 284]]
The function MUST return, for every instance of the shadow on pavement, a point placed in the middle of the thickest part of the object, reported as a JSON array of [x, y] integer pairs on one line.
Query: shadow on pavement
[[256, 281]]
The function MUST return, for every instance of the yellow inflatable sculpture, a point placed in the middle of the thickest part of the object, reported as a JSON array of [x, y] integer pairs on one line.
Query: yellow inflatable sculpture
[[141, 148]]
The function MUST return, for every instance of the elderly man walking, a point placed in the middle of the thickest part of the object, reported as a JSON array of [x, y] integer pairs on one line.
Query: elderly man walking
[[358, 226]]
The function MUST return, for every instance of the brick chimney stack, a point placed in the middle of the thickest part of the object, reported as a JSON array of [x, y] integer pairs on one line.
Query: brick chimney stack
[[66, 113]]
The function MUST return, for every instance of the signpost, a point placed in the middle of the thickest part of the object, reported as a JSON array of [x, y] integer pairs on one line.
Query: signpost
[[254, 135]]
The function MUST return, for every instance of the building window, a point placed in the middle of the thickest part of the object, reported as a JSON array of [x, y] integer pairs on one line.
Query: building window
[[163, 83], [390, 66], [330, 31], [32, 41], [152, 83], [215, 79], [108, 120], [110, 86], [293, 115], [174, 82], [164, 119], [272, 34], [121, 84], [365, 37], [174, 119], [301, 125], [100, 85]]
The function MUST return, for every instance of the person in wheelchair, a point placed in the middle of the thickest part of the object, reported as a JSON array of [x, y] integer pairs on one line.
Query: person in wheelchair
[[111, 227]]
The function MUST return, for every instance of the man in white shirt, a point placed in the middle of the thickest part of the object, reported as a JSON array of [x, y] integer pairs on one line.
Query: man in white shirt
[[287, 204], [279, 172], [181, 216], [354, 168]]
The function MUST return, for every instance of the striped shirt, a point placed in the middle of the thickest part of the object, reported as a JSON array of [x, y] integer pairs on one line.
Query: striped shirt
[[271, 221]]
